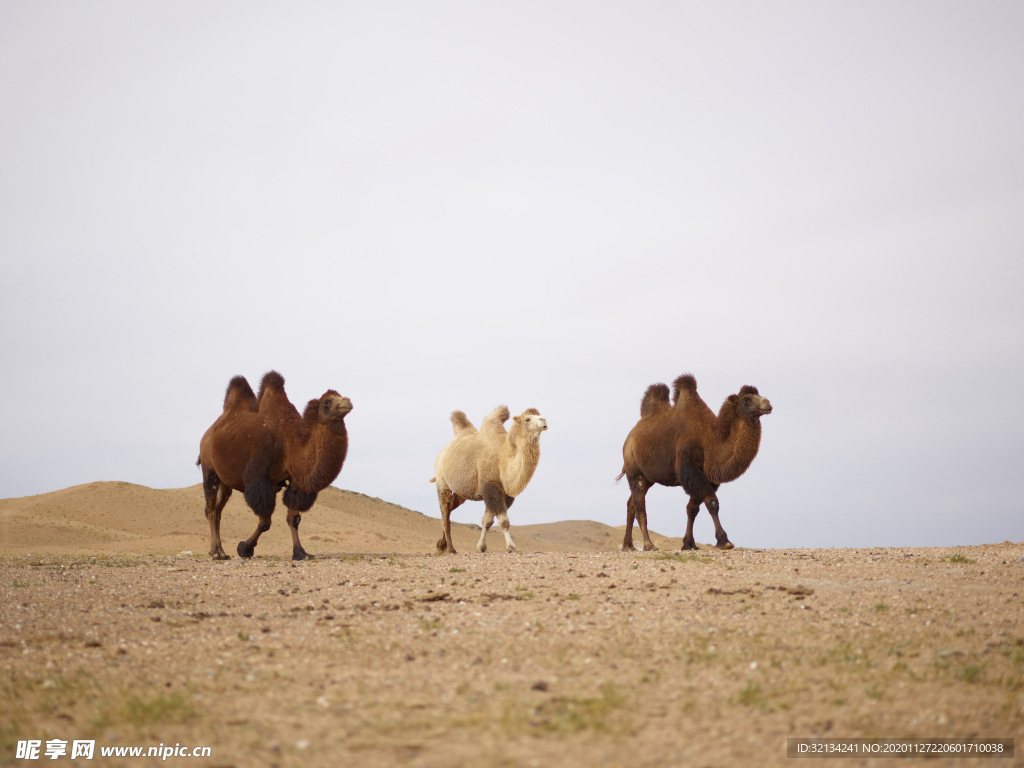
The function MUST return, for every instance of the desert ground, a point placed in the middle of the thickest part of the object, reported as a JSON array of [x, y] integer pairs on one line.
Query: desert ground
[[117, 627]]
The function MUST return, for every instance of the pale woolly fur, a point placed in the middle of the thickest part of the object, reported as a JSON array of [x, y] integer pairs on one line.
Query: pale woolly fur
[[492, 456], [520, 454]]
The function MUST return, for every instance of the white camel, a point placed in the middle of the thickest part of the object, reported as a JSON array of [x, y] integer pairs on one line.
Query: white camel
[[491, 465]]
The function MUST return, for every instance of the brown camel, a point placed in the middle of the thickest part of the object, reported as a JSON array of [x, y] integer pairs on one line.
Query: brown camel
[[259, 445], [235, 454], [489, 465], [683, 443]]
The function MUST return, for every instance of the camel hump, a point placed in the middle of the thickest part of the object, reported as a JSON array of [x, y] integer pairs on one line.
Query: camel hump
[[238, 391], [746, 389], [685, 384], [494, 423], [460, 423], [311, 411], [271, 380], [654, 398]]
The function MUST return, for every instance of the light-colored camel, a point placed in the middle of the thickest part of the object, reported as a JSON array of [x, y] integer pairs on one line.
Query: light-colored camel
[[491, 465]]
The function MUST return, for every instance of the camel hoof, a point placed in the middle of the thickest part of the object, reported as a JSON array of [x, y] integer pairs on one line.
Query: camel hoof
[[482, 549], [650, 548], [728, 545], [220, 556], [687, 545], [245, 551], [513, 550], [298, 553]]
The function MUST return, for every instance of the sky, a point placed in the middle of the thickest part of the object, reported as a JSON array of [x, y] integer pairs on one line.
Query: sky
[[453, 205]]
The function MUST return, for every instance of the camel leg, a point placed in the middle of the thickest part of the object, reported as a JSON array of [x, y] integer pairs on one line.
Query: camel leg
[[636, 509], [217, 496], [721, 537], [510, 545], [261, 496], [485, 525], [216, 547], [297, 501], [448, 501], [692, 508], [497, 504], [446, 531], [627, 540], [455, 503], [444, 500], [298, 553], [639, 487], [247, 548]]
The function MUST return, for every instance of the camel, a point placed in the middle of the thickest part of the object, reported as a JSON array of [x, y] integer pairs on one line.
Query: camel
[[259, 445], [490, 465], [682, 442], [235, 454]]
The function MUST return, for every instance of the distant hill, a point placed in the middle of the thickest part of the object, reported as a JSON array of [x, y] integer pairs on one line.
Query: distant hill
[[116, 517]]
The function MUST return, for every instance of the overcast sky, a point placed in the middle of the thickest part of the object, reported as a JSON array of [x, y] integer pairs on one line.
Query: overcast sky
[[438, 206]]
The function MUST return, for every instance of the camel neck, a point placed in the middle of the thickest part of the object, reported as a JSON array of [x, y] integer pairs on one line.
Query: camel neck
[[734, 451], [319, 459], [519, 458]]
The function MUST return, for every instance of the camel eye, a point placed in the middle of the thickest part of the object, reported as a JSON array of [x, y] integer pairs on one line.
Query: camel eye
[[527, 419]]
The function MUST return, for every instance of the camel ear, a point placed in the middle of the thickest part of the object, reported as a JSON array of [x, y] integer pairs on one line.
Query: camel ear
[[517, 419], [733, 398]]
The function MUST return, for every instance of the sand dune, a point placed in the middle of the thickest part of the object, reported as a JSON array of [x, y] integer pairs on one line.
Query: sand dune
[[117, 517]]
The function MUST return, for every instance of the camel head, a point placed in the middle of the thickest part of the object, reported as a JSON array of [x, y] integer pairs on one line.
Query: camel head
[[332, 407], [750, 403], [531, 421]]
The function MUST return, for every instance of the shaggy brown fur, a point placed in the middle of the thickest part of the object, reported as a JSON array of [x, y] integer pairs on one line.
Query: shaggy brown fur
[[683, 443], [236, 453], [309, 452], [489, 465], [260, 444]]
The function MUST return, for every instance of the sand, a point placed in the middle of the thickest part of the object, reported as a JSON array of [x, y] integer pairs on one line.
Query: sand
[[112, 517], [570, 653]]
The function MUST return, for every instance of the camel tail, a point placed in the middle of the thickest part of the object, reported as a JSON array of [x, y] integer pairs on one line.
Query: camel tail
[[621, 475], [199, 460], [433, 479]]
